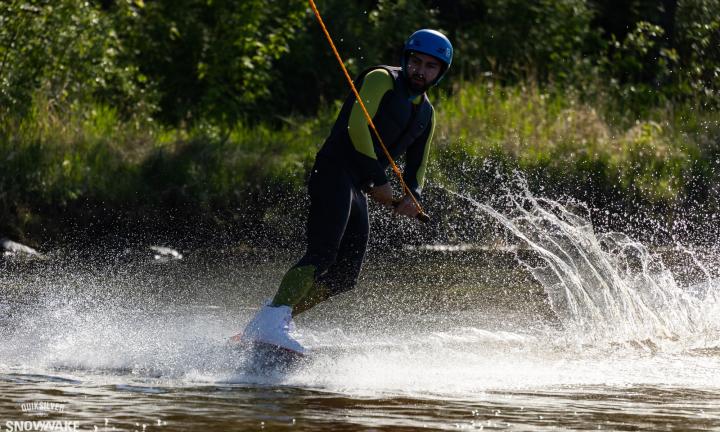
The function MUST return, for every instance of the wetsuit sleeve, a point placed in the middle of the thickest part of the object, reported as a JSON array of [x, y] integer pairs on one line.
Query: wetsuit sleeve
[[375, 84], [416, 160]]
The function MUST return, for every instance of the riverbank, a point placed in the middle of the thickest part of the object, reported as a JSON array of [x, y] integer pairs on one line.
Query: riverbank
[[86, 173]]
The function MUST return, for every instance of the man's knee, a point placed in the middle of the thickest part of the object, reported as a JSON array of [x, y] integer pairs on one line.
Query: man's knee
[[322, 261]]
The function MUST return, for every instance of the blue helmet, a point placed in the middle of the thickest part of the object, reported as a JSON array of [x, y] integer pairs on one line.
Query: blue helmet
[[430, 42]]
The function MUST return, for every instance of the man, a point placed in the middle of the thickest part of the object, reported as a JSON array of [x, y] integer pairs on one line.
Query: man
[[351, 166]]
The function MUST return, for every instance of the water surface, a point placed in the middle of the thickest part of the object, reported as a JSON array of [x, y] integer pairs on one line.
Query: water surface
[[576, 331]]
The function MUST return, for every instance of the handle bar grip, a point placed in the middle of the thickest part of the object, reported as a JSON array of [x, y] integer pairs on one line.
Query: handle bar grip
[[422, 217]]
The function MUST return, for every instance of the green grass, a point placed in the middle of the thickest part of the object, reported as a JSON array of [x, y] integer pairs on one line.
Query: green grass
[[650, 159], [53, 160]]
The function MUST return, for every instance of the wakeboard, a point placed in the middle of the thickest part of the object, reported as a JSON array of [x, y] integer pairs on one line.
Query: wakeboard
[[264, 357]]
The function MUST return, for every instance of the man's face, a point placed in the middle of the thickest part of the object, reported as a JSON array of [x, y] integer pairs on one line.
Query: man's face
[[422, 69]]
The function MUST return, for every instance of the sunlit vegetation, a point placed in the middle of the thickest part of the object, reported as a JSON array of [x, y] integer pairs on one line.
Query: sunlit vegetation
[[117, 105]]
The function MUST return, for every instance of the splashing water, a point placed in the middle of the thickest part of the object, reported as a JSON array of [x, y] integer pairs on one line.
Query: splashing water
[[167, 325], [604, 286]]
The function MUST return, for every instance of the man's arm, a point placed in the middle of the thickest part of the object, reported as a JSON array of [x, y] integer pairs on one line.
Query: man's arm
[[375, 84]]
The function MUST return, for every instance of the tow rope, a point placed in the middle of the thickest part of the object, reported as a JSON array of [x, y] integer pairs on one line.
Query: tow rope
[[422, 216]]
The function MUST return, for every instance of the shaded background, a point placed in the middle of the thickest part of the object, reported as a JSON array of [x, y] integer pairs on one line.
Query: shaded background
[[179, 119]]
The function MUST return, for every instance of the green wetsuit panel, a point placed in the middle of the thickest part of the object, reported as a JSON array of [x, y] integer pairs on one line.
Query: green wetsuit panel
[[420, 175], [295, 285], [374, 86], [417, 156]]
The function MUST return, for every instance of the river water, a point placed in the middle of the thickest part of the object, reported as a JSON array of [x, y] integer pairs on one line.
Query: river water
[[566, 329]]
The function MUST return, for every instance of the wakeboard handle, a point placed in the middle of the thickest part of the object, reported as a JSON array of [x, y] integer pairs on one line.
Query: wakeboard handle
[[421, 216]]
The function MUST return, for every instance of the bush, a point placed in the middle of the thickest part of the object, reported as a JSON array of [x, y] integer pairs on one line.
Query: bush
[[65, 52], [698, 28], [212, 60]]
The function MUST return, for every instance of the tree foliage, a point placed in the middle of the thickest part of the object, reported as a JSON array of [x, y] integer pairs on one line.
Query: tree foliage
[[213, 58], [698, 47], [189, 104], [185, 61], [63, 52]]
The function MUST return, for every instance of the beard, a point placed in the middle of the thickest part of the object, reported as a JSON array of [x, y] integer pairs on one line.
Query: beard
[[418, 84]]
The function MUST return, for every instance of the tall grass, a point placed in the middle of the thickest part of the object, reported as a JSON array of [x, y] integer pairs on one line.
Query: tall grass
[[653, 160], [57, 161]]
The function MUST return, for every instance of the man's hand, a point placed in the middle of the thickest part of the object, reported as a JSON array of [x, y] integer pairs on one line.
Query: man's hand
[[382, 194], [406, 207]]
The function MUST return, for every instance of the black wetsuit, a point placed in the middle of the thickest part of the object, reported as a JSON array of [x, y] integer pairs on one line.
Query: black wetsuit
[[338, 227]]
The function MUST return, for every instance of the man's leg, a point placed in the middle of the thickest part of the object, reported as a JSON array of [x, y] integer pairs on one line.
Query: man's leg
[[342, 275], [331, 202]]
